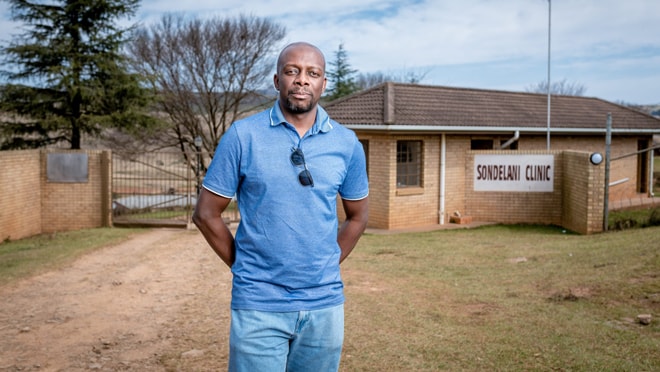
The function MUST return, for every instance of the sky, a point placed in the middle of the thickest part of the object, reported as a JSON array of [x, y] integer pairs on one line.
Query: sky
[[610, 47]]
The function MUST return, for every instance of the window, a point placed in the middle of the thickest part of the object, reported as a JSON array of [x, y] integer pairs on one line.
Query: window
[[409, 163], [643, 166], [365, 146], [481, 144], [489, 144]]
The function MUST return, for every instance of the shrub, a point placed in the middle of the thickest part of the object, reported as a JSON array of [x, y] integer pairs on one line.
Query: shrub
[[654, 217], [624, 223]]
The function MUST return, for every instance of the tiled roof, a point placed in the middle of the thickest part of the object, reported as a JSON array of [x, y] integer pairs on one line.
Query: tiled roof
[[444, 107]]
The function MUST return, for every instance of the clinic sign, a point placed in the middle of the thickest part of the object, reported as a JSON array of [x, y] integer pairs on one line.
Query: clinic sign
[[516, 173]]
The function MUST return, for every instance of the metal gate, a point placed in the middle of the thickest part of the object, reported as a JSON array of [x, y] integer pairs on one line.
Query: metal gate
[[157, 189], [153, 189]]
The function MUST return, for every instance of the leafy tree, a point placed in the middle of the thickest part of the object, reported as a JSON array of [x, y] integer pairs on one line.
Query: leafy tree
[[68, 75], [206, 73], [562, 87], [340, 76]]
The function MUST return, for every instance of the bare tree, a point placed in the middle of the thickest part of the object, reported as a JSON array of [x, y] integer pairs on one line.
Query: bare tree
[[368, 80], [562, 87], [206, 73]]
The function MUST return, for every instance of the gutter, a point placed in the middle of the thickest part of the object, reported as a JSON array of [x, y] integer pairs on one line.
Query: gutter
[[516, 136], [469, 129]]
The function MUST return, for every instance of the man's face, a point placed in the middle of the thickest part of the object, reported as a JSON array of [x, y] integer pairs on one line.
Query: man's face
[[300, 79]]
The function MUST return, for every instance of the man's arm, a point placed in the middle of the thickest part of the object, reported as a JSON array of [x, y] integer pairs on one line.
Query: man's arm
[[208, 218], [357, 215]]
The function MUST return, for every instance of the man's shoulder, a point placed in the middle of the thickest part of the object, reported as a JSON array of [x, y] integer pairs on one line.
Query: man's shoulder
[[341, 129]]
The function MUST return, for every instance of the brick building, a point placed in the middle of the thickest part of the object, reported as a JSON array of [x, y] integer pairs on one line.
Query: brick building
[[422, 141]]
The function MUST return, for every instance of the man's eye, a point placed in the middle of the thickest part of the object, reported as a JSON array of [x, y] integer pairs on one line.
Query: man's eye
[[314, 74], [291, 72]]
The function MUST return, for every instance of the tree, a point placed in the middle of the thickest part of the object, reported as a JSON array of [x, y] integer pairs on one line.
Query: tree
[[369, 80], [342, 82], [68, 75], [206, 73], [562, 87]]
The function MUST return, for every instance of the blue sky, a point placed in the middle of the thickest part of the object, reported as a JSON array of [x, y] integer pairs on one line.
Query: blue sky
[[612, 47]]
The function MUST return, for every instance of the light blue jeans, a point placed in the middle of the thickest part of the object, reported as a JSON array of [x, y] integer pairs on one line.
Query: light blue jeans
[[290, 341]]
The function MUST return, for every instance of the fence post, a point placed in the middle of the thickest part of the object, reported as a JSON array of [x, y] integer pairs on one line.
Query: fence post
[[106, 189]]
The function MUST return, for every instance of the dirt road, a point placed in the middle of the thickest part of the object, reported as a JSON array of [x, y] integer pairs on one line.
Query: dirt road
[[158, 302]]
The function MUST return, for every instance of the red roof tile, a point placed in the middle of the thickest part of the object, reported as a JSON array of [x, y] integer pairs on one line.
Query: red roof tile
[[437, 106]]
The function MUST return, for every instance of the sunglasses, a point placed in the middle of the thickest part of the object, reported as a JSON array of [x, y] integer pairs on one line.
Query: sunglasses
[[298, 159]]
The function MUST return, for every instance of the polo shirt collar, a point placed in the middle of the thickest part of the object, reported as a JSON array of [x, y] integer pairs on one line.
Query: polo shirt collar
[[321, 124]]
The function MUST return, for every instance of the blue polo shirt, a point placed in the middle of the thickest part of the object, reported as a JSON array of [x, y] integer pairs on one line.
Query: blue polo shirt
[[287, 256]]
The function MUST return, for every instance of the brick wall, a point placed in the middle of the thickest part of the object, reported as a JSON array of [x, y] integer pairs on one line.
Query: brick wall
[[583, 193], [456, 182], [83, 205], [20, 194], [381, 176], [412, 206], [30, 204], [514, 207], [574, 202], [620, 170]]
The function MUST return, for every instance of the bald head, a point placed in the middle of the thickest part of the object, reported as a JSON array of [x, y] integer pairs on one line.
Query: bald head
[[301, 45], [300, 81]]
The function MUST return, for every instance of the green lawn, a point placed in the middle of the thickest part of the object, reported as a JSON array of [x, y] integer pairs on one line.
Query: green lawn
[[503, 298]]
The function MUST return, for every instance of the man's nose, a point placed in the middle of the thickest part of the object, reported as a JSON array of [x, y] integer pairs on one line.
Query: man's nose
[[301, 79]]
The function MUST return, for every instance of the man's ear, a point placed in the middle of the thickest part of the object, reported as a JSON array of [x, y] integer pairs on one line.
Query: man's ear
[[276, 82]]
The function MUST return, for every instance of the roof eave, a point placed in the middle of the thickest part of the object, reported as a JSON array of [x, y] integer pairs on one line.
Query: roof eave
[[472, 129]]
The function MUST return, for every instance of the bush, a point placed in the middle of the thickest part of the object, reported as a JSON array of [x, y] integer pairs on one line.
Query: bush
[[654, 217], [630, 219], [624, 224]]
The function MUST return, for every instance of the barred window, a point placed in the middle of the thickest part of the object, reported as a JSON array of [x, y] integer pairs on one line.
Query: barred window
[[409, 163]]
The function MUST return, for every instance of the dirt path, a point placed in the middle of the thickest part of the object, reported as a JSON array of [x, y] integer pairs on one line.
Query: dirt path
[[157, 302]]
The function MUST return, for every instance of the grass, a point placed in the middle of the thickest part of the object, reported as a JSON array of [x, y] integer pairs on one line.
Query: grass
[[632, 218], [495, 298], [164, 213], [37, 254], [159, 214], [503, 298], [656, 175]]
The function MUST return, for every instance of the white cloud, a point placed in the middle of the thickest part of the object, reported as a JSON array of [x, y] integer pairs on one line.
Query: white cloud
[[507, 38]]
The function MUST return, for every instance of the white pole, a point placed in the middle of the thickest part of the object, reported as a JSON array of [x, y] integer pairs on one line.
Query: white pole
[[443, 178], [549, 85], [606, 197]]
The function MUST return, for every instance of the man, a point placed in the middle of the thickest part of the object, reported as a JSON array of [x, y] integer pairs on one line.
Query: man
[[286, 166]]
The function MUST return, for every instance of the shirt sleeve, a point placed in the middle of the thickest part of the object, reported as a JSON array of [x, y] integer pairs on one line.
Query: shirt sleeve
[[224, 173], [356, 183]]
